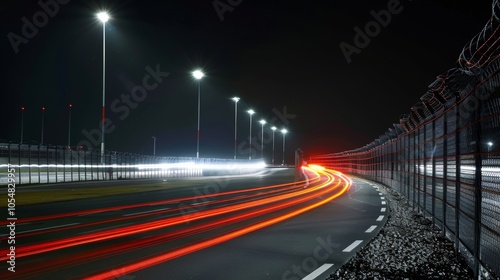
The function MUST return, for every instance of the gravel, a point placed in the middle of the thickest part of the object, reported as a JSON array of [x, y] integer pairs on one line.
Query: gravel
[[407, 247]]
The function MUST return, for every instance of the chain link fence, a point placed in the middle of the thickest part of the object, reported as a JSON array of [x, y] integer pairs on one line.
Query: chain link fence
[[444, 156], [34, 164]]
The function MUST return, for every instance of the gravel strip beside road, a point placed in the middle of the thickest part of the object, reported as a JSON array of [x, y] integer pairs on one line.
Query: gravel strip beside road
[[407, 247]]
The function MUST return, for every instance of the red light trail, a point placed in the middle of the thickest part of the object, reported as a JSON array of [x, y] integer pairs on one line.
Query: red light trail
[[229, 215]]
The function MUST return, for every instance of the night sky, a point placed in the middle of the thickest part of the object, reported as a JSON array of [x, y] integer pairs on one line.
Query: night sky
[[282, 58]]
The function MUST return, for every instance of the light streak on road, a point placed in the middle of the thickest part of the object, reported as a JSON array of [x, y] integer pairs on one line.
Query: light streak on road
[[226, 215], [223, 238]]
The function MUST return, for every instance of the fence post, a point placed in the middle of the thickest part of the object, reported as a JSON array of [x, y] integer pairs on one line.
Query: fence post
[[19, 162], [78, 162], [433, 172], [47, 162], [29, 163], [56, 162], [445, 171], [39, 165], [64, 163], [478, 178], [425, 157], [457, 173]]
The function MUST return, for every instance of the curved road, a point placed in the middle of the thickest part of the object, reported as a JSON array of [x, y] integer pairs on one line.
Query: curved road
[[263, 226]]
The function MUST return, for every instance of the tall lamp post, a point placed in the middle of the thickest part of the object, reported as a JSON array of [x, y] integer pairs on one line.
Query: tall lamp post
[[262, 122], [198, 74], [22, 124], [490, 144], [251, 112], [69, 126], [284, 131], [235, 99], [43, 115], [273, 129], [154, 145], [103, 17]]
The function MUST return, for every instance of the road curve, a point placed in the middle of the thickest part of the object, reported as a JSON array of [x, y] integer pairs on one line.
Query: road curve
[[246, 227]]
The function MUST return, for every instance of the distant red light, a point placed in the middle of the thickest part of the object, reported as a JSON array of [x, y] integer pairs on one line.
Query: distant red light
[[70, 105], [43, 108], [22, 108]]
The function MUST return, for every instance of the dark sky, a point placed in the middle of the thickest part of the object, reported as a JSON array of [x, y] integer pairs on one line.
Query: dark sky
[[282, 58]]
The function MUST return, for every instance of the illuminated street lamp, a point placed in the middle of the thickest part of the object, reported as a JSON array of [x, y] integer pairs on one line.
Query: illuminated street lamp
[[262, 122], [235, 99], [198, 74], [490, 144], [251, 112], [273, 129], [103, 17], [284, 131]]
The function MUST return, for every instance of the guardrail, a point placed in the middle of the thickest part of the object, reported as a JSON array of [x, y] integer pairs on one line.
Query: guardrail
[[444, 155], [33, 164]]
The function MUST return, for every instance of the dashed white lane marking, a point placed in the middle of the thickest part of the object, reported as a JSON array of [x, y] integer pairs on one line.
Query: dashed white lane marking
[[382, 209], [370, 229], [352, 246], [380, 218], [379, 193], [383, 198], [199, 203], [383, 202], [318, 271], [144, 212]]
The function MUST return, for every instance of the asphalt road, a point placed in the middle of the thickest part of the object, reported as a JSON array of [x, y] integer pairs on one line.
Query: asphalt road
[[247, 227], [309, 246]]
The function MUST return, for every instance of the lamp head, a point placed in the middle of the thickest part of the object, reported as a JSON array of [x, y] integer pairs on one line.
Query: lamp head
[[198, 74], [103, 17]]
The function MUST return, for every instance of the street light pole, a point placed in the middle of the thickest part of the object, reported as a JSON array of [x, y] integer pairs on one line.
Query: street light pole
[[43, 115], [274, 129], [69, 126], [284, 131], [154, 145], [22, 124], [251, 112], [262, 122], [490, 144], [103, 17], [198, 74], [235, 99]]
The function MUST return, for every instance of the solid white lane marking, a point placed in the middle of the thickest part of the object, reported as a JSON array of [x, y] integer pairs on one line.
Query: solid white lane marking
[[144, 212], [40, 229], [380, 218], [352, 246], [382, 209], [383, 202], [318, 271], [370, 229]]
